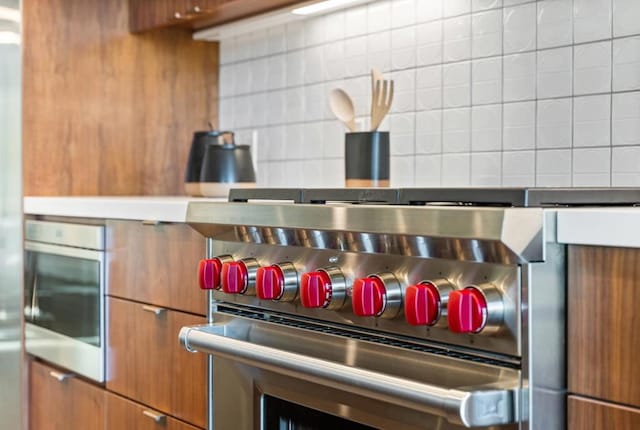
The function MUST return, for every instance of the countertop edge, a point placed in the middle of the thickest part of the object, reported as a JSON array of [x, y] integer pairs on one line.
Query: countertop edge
[[614, 227], [139, 208]]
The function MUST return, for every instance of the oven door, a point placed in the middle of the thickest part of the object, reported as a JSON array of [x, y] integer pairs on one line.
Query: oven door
[[270, 376], [64, 307]]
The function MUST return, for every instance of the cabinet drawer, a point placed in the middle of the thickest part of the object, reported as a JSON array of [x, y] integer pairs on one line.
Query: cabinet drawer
[[60, 401], [603, 334], [156, 264], [125, 414], [146, 362], [588, 414]]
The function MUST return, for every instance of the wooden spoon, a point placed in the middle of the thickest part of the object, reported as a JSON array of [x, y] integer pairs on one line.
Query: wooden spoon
[[342, 108]]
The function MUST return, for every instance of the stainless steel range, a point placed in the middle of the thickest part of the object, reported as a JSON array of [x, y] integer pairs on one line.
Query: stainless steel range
[[386, 308]]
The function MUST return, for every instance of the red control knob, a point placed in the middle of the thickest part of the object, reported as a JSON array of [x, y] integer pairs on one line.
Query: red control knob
[[315, 289], [269, 283], [234, 277], [209, 270], [368, 297], [422, 304], [209, 273], [467, 311]]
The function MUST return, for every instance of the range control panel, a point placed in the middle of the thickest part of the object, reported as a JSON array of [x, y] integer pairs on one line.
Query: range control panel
[[464, 303]]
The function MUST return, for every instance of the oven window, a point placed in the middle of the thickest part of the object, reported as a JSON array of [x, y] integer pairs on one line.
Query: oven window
[[62, 294], [282, 415]]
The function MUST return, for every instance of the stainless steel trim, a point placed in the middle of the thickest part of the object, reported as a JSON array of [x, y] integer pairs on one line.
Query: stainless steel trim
[[158, 417], [158, 311], [61, 377], [77, 235], [252, 266], [393, 296], [64, 251], [80, 357], [512, 234], [338, 288], [469, 406], [290, 283], [444, 289], [495, 307]]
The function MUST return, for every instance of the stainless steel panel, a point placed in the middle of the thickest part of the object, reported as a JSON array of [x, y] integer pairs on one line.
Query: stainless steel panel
[[68, 234], [65, 251], [513, 234], [75, 355], [10, 216], [462, 392], [408, 270]]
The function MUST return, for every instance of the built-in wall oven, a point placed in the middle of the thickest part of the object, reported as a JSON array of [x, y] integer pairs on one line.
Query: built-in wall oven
[[64, 304]]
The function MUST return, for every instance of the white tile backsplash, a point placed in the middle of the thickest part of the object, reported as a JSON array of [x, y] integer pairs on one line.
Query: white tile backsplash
[[591, 20], [487, 92], [429, 43], [554, 124], [457, 84], [555, 23], [626, 64], [486, 33], [487, 81], [457, 38], [625, 17], [519, 28], [519, 125], [592, 68], [519, 77], [592, 121]]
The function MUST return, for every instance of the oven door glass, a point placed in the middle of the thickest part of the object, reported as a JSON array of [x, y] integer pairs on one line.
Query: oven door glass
[[280, 414], [63, 293]]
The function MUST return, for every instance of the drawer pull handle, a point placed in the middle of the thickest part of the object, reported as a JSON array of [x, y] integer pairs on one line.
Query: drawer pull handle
[[61, 377], [156, 416], [154, 309], [151, 222]]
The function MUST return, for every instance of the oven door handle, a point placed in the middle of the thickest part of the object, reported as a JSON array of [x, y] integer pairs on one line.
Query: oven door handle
[[472, 407]]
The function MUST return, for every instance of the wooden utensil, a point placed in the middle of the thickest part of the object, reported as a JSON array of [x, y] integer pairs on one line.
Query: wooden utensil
[[382, 97], [342, 107]]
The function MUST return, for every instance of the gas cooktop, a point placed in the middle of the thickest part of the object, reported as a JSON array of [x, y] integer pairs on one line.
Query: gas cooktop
[[504, 197]]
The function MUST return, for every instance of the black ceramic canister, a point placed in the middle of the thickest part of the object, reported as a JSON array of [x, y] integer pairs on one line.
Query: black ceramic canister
[[366, 158]]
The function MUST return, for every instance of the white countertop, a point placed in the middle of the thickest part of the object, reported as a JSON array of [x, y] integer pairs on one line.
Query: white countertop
[[143, 208], [585, 226], [600, 226]]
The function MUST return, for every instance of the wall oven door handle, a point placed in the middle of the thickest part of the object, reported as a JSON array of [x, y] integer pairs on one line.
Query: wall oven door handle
[[471, 407]]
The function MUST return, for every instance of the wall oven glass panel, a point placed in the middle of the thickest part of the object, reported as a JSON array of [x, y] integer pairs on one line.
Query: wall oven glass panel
[[62, 294]]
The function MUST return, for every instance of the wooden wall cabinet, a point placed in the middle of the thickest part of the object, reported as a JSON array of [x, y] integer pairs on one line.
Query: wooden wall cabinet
[[153, 14], [155, 264], [603, 338], [107, 112], [67, 404], [123, 414]]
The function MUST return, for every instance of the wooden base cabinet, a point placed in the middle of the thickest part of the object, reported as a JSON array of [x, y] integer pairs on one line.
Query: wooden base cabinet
[[60, 401], [603, 324], [156, 264], [147, 363], [588, 414], [123, 414]]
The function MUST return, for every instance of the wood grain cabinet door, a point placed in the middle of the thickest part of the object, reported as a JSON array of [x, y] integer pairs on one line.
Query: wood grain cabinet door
[[604, 323], [588, 414], [60, 401], [156, 264], [123, 414], [146, 362]]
